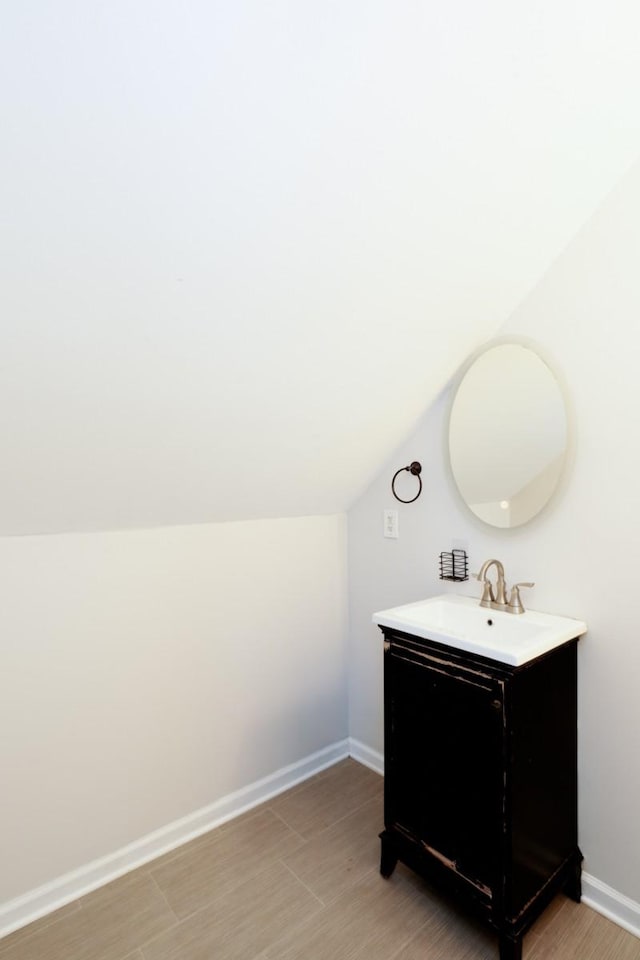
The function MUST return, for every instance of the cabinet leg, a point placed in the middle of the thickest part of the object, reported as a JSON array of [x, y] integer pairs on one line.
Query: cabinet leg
[[510, 947], [388, 860], [573, 886]]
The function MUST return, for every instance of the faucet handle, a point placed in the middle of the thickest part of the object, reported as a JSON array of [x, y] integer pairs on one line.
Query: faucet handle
[[515, 603], [487, 592]]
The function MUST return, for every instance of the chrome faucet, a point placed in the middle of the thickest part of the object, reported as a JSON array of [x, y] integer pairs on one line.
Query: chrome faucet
[[497, 600]]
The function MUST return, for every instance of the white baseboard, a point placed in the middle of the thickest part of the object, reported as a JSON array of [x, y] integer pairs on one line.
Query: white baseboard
[[365, 755], [45, 899], [49, 897], [613, 905]]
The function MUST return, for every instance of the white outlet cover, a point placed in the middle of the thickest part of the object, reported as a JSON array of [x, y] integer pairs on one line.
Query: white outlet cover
[[390, 529]]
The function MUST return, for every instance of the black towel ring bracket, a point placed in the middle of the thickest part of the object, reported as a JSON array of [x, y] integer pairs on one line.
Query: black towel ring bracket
[[416, 469]]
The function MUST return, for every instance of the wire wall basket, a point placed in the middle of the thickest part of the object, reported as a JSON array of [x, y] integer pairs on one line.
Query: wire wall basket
[[454, 565]]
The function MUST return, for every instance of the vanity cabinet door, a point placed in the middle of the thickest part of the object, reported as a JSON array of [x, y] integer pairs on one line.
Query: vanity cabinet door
[[444, 750]]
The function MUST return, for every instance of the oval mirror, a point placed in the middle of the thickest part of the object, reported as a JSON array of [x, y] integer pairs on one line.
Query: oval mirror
[[507, 435]]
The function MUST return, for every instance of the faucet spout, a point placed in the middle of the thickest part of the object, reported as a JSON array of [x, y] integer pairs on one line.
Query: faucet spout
[[499, 597]]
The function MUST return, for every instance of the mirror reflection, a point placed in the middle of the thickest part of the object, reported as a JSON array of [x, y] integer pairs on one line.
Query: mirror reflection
[[507, 435]]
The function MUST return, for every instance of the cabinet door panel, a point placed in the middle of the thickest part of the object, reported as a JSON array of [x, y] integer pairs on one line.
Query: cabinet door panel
[[445, 764]]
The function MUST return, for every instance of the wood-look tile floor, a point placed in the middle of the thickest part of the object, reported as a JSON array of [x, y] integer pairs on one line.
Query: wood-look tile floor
[[295, 879]]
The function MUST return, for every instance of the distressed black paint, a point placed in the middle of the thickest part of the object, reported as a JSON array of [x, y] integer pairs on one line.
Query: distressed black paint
[[481, 778]]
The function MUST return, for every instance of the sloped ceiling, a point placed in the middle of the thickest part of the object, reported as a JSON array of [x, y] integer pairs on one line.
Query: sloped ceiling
[[247, 243]]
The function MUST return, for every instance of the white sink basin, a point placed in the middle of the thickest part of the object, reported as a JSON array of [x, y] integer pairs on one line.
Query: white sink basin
[[461, 622]]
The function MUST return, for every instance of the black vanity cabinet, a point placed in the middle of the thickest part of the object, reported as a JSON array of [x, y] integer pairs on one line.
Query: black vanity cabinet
[[480, 778]]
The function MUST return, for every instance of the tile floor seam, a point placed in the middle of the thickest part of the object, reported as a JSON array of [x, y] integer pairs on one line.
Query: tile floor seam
[[302, 883], [344, 816], [232, 888], [282, 820], [172, 926], [169, 856], [164, 898], [327, 826], [189, 917], [142, 947]]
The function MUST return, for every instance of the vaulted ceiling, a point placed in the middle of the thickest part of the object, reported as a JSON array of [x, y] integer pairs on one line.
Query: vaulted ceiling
[[247, 243]]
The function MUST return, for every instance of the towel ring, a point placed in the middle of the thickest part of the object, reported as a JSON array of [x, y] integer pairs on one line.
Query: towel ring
[[415, 468]]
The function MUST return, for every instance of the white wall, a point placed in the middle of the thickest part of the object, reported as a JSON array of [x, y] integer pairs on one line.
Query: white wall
[[238, 205], [583, 552], [146, 674]]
